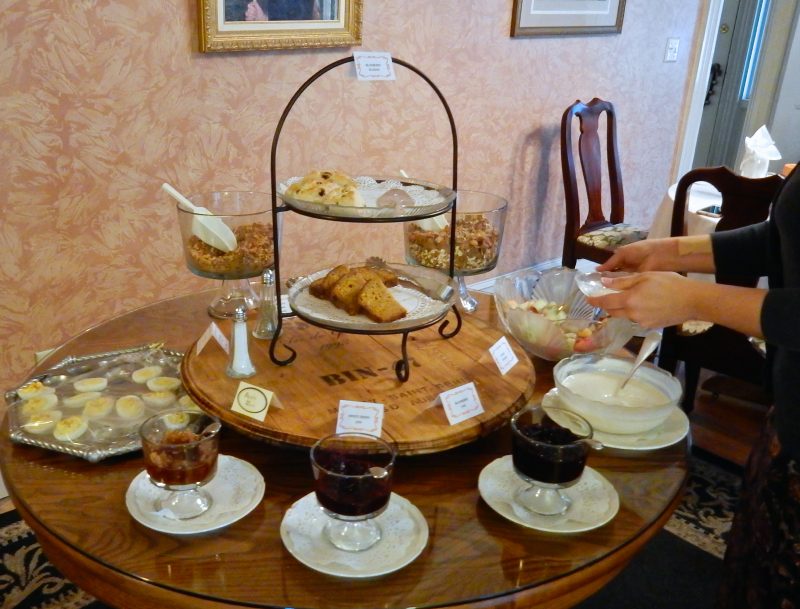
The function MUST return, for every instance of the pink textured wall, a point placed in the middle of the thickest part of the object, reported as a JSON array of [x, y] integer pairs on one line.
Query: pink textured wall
[[102, 101]]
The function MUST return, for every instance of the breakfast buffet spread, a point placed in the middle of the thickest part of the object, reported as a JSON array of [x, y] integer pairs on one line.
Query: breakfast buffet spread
[[468, 381], [95, 407]]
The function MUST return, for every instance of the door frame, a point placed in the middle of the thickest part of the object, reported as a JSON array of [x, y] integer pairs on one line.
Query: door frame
[[697, 96], [770, 72]]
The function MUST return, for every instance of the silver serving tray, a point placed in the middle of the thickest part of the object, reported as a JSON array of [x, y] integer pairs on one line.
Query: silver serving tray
[[107, 436]]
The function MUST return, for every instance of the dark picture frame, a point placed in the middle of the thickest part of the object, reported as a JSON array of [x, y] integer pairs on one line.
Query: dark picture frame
[[566, 17]]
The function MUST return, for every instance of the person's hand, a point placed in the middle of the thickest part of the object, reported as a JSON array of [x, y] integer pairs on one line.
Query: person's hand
[[652, 299], [646, 255]]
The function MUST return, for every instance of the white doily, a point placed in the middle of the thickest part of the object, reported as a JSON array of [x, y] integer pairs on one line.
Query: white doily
[[421, 307], [421, 200], [404, 536], [594, 500]]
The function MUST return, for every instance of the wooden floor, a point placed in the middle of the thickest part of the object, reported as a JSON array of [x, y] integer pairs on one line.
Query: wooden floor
[[727, 418]]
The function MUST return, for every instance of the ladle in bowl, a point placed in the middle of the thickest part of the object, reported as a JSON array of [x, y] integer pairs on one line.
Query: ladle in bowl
[[649, 345]]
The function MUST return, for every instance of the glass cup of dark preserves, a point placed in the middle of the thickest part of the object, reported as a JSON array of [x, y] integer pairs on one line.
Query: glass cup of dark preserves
[[549, 450], [180, 450], [352, 482]]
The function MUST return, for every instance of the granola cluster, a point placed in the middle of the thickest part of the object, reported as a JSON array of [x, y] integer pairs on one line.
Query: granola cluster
[[253, 253], [476, 244]]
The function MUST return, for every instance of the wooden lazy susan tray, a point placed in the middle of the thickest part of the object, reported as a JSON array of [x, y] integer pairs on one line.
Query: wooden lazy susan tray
[[334, 366]]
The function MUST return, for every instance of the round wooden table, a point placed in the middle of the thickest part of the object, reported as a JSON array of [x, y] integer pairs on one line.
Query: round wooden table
[[474, 557]]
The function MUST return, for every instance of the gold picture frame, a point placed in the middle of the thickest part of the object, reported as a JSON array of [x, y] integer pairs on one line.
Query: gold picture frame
[[566, 17], [237, 25]]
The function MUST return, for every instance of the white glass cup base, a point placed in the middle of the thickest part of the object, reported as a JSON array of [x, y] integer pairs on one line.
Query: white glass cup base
[[184, 504], [543, 499], [231, 295], [352, 535]]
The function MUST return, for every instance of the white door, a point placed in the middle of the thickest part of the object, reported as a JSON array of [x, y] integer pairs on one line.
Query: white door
[[733, 71]]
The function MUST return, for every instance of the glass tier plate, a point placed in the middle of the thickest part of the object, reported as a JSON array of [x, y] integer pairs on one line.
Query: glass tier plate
[[108, 434], [428, 199], [426, 294]]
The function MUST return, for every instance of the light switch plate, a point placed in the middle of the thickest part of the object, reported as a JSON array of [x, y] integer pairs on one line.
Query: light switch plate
[[671, 52]]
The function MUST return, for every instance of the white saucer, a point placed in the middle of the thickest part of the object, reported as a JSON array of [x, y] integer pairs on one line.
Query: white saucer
[[237, 488], [594, 500], [672, 430], [405, 535]]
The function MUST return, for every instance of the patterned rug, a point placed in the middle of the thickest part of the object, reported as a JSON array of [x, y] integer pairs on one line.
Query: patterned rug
[[29, 581]]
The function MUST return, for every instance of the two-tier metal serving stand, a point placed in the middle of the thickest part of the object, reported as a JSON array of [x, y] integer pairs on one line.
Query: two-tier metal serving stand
[[401, 367]]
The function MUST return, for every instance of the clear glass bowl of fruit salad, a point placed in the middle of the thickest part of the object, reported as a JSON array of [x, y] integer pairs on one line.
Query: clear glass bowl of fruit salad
[[549, 316]]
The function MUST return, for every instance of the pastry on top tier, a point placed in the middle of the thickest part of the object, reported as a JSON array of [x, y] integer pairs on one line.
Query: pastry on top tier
[[327, 186]]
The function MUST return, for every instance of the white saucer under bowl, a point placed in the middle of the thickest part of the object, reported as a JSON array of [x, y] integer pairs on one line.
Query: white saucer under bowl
[[672, 430], [236, 489], [405, 535], [594, 500]]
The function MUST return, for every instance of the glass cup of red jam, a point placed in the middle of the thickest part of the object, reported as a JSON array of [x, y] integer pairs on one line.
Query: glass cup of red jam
[[353, 483], [180, 450], [549, 451]]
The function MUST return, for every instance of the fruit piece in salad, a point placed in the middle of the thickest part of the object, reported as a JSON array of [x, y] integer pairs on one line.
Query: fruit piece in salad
[[579, 333]]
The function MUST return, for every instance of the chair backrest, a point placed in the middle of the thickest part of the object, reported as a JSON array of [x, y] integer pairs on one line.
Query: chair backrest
[[592, 166], [745, 201]]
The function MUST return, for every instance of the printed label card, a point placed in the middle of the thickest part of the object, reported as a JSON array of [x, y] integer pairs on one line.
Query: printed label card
[[360, 417], [373, 65], [503, 355], [461, 403], [252, 401], [213, 331]]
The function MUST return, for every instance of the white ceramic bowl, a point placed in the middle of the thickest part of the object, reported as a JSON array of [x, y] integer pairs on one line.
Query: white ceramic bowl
[[554, 339], [594, 400]]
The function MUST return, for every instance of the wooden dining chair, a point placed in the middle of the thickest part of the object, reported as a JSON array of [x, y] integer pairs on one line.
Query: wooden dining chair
[[744, 201], [597, 236]]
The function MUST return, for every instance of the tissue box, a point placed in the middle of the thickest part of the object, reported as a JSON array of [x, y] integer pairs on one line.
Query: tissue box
[[759, 151]]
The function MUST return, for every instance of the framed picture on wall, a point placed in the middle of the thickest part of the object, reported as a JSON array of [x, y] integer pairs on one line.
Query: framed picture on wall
[[565, 17], [252, 25]]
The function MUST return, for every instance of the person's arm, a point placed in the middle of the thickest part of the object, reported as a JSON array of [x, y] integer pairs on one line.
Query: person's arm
[[691, 254], [658, 299]]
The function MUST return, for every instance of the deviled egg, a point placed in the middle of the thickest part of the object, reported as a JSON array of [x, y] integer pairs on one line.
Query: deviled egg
[[70, 429], [98, 407], [130, 406], [96, 383], [42, 422], [142, 375], [163, 383], [80, 399]]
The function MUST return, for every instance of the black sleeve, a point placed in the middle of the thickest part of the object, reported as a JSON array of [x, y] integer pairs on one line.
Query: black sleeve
[[741, 251], [779, 318]]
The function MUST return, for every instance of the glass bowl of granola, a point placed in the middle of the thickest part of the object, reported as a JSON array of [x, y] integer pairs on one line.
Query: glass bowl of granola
[[549, 316], [228, 238], [480, 218]]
